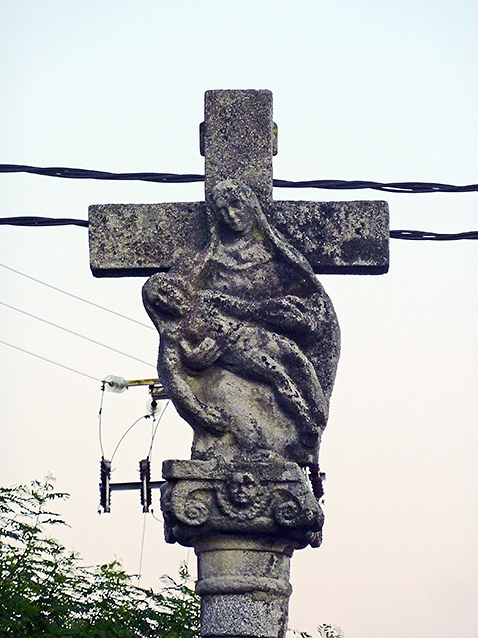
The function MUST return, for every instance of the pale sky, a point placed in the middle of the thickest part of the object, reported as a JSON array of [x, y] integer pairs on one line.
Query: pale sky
[[372, 90]]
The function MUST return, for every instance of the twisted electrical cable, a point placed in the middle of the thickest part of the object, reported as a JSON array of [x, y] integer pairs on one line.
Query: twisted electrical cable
[[176, 178]]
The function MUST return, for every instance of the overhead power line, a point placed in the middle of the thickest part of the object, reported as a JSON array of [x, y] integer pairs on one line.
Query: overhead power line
[[83, 374], [394, 234], [42, 221], [424, 235], [389, 187], [76, 334], [174, 178], [64, 292], [81, 173]]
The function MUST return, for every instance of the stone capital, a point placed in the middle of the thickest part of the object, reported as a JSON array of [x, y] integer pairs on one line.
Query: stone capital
[[265, 499]]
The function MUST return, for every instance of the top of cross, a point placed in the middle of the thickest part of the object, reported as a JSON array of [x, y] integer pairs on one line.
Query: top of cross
[[238, 140]]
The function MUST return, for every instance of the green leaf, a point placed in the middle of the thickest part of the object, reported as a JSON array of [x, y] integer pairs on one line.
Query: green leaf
[[46, 592]]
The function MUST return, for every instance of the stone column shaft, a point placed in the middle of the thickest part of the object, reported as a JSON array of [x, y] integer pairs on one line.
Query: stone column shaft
[[244, 586]]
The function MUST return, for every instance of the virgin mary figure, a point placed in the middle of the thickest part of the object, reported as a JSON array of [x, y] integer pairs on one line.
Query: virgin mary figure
[[249, 339]]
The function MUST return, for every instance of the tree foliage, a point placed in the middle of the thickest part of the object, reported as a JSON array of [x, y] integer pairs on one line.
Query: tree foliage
[[45, 591], [329, 631], [325, 631]]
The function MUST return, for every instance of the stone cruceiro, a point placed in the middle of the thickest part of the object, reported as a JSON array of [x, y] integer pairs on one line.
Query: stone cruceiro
[[249, 346]]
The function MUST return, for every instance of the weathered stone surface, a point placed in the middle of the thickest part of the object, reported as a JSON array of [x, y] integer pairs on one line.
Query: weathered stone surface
[[245, 614], [337, 237], [137, 240], [248, 354], [244, 585], [238, 140], [249, 338], [205, 498]]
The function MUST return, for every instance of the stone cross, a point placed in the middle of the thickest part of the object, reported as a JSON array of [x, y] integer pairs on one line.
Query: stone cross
[[249, 347], [238, 141]]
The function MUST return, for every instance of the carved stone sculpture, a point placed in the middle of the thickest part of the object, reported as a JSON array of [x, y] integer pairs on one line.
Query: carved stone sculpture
[[249, 338], [254, 498], [249, 344]]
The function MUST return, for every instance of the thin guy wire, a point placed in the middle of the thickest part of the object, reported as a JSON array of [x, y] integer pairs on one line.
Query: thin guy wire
[[60, 365], [145, 416], [156, 428], [64, 292], [142, 548], [76, 334], [160, 520], [100, 417]]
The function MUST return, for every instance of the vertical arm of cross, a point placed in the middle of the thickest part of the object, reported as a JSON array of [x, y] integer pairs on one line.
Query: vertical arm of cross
[[238, 140]]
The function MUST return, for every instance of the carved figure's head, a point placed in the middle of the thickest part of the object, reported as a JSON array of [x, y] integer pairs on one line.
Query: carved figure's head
[[242, 489], [236, 204]]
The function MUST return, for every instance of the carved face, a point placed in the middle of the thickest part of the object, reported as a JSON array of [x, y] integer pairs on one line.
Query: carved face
[[242, 489], [235, 204], [237, 217]]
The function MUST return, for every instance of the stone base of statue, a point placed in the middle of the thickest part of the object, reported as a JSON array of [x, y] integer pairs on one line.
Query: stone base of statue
[[244, 520]]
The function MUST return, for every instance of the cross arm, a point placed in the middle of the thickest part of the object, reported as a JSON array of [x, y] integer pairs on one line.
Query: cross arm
[[350, 238], [137, 240]]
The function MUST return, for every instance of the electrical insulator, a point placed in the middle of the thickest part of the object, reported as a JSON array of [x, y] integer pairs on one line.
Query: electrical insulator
[[157, 392], [115, 384], [145, 478], [152, 406], [105, 488]]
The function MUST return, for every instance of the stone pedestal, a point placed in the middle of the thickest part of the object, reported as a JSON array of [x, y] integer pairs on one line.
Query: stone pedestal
[[244, 520], [244, 586]]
